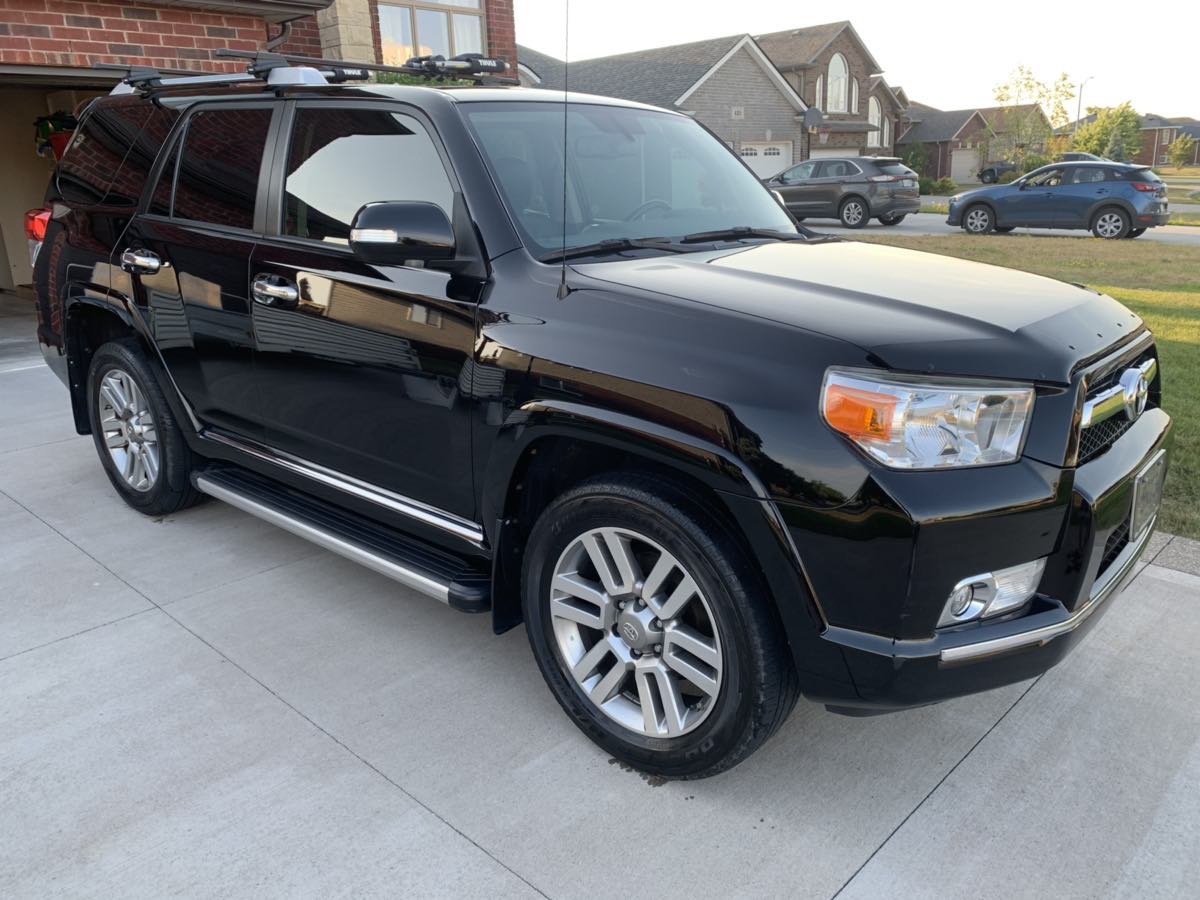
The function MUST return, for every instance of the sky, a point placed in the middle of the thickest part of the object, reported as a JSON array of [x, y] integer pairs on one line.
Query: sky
[[949, 55]]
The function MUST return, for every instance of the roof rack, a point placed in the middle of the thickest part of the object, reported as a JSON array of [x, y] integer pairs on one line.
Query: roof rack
[[279, 70]]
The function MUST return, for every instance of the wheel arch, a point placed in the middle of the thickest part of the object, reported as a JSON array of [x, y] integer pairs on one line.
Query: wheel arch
[[91, 318], [1119, 203], [991, 207], [555, 445]]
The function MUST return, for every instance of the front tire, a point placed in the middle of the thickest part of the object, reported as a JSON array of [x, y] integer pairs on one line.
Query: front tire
[[1003, 229], [1111, 223], [854, 212], [978, 219], [651, 630], [988, 176], [140, 445], [1135, 232]]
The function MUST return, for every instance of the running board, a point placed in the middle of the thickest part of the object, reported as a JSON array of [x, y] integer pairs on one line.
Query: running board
[[427, 569]]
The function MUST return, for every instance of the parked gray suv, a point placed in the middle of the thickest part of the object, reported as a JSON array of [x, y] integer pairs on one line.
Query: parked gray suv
[[852, 189]]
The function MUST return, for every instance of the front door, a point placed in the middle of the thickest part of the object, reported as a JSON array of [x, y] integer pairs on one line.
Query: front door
[[799, 193], [1036, 203], [366, 371], [191, 255]]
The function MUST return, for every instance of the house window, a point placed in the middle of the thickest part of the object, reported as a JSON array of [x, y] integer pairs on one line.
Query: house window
[[748, 151], [1166, 135], [854, 95], [430, 28], [875, 117], [887, 133], [819, 100], [839, 77], [772, 151]]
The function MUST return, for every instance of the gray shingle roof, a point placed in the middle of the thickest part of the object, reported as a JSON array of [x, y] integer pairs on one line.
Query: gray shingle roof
[[798, 46], [658, 76], [936, 124]]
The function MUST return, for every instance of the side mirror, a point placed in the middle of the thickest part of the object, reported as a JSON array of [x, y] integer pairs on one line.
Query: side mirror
[[392, 231]]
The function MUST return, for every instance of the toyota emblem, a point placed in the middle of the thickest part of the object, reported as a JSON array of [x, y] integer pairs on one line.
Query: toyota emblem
[[1136, 392]]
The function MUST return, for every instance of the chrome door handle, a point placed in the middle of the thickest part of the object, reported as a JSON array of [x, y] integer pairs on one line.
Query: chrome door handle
[[275, 292], [141, 261]]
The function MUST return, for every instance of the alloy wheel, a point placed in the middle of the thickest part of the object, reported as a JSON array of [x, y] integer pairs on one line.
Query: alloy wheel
[[635, 632], [1109, 225], [128, 430], [852, 213]]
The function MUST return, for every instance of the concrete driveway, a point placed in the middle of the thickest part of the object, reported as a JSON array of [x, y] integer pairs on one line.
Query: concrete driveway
[[935, 223], [202, 705]]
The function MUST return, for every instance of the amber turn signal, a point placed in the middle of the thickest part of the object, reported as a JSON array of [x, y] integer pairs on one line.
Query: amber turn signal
[[858, 413]]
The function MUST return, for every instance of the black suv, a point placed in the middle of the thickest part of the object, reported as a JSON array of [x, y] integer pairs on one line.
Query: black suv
[[853, 190], [711, 460]]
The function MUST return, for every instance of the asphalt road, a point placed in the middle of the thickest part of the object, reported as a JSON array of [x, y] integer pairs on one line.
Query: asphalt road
[[935, 223], [202, 705]]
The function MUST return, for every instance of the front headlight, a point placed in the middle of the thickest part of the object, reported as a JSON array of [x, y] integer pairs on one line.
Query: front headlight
[[927, 423]]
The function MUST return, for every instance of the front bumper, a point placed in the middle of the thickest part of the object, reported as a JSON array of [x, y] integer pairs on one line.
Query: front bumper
[[898, 672]]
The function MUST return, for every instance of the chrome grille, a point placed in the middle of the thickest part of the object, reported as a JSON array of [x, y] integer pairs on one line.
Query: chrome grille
[[1099, 436]]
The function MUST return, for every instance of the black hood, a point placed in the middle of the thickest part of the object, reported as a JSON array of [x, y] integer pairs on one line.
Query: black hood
[[915, 311]]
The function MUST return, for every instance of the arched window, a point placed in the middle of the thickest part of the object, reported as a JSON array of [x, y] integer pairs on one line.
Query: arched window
[[887, 133], [839, 78], [875, 117], [854, 95], [819, 100]]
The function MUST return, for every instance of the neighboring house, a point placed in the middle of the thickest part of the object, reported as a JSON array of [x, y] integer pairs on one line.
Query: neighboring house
[[957, 140], [953, 140], [727, 83], [832, 69], [47, 50], [1158, 133], [752, 92]]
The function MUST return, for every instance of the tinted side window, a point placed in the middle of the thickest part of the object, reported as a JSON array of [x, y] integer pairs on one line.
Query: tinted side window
[[218, 170], [98, 149], [341, 159], [130, 181]]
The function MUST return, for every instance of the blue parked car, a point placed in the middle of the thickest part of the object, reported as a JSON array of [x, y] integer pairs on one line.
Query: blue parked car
[[1113, 200]]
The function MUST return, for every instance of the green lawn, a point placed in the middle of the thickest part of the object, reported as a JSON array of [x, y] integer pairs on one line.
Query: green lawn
[[1159, 282]]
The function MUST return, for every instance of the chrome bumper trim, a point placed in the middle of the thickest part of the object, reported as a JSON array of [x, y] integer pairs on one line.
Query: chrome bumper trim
[[1109, 584]]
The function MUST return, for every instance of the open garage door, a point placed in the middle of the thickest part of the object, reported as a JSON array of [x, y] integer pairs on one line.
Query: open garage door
[[766, 159]]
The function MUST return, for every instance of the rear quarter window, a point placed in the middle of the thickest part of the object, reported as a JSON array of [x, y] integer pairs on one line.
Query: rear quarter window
[[1135, 175], [93, 160], [897, 168]]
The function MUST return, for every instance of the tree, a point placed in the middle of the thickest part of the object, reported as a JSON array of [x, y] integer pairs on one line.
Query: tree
[[915, 157], [1026, 104], [1183, 151], [1115, 129]]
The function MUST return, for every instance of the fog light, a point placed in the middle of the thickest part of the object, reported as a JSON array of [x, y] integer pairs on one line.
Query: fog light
[[992, 593]]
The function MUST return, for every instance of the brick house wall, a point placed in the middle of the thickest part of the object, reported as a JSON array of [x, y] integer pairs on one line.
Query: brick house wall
[[742, 83], [76, 33], [938, 154]]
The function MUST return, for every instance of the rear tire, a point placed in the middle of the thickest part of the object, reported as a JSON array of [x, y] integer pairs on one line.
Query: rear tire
[[1111, 223], [139, 442], [854, 212], [978, 219], [892, 220], [988, 176], [640, 527]]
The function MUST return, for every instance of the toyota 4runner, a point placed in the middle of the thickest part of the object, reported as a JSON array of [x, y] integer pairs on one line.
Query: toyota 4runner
[[566, 361]]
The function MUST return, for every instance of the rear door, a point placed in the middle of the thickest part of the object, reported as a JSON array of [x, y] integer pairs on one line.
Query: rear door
[[367, 372], [832, 176], [1082, 189], [189, 255]]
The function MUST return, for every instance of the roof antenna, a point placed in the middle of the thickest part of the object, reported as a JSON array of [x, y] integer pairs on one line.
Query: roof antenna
[[563, 290]]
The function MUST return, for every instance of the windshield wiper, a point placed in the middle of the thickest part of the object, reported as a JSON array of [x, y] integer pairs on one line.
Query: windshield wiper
[[612, 245], [737, 233]]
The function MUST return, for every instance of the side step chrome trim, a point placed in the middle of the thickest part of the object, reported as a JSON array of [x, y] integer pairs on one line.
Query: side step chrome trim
[[411, 578], [397, 503]]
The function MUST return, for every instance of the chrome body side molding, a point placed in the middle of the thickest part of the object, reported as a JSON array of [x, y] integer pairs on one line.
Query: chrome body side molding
[[413, 509]]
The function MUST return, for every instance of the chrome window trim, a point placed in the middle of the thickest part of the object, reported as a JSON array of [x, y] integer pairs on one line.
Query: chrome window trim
[[390, 500]]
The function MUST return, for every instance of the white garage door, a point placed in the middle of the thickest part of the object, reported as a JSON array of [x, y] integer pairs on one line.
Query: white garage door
[[964, 165], [767, 159], [828, 152]]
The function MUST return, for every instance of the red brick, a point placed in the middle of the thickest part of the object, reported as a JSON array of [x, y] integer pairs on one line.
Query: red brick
[[187, 28], [178, 40], [14, 43], [44, 18]]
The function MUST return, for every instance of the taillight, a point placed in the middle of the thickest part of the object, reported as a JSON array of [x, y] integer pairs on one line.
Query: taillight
[[1146, 187], [36, 223]]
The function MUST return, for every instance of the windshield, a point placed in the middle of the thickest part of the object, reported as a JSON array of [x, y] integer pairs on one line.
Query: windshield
[[631, 174]]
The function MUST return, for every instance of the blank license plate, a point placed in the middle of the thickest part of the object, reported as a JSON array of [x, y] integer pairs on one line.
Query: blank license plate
[[1147, 495]]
